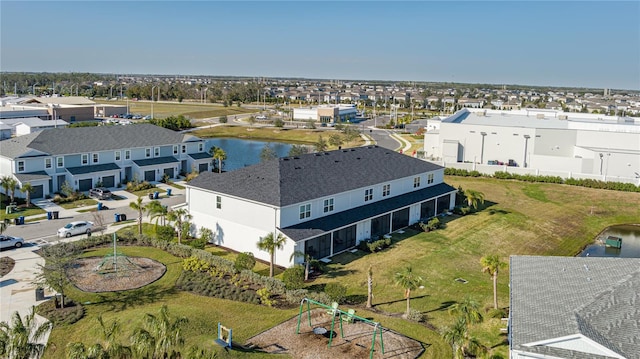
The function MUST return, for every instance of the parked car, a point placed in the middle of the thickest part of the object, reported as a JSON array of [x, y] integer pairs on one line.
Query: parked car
[[100, 193], [75, 228], [8, 241], [147, 117]]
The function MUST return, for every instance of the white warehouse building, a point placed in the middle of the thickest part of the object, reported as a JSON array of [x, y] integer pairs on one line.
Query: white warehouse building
[[537, 141], [326, 113]]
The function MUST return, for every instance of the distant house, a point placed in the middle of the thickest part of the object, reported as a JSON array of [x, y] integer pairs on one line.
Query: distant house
[[323, 203], [109, 155], [574, 307]]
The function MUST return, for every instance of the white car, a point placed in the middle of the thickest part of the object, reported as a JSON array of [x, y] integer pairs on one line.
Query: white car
[[74, 228], [8, 241]]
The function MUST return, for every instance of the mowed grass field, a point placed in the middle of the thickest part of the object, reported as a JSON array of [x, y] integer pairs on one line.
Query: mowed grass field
[[191, 110], [517, 218]]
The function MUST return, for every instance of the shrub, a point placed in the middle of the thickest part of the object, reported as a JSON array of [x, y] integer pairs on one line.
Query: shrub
[[497, 313], [68, 315], [198, 243], [415, 315], [335, 291], [244, 261], [264, 295], [462, 210], [135, 186], [293, 277], [278, 123]]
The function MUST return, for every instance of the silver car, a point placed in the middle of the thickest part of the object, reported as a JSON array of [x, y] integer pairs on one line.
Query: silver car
[[74, 228], [8, 241]]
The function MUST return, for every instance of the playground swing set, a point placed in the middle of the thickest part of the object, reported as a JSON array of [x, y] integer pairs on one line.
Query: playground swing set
[[377, 328]]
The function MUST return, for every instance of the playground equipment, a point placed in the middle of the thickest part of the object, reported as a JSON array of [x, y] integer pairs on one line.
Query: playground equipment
[[117, 263], [336, 312], [224, 336]]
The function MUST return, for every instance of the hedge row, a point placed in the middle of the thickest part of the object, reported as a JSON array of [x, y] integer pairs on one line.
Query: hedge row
[[590, 183]]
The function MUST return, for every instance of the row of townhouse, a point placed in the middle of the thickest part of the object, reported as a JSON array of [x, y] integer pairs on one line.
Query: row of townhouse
[[322, 203], [86, 157]]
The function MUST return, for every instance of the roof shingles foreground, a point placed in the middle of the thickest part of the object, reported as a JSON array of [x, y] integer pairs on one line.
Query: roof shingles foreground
[[553, 297]]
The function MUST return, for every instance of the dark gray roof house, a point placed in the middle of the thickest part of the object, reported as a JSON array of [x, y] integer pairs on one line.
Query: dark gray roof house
[[574, 307]]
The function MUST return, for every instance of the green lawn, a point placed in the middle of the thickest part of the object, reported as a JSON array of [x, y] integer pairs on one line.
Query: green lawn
[[79, 203], [22, 211], [188, 109]]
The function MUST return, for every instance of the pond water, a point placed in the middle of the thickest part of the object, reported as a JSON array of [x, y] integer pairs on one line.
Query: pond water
[[243, 153], [630, 243]]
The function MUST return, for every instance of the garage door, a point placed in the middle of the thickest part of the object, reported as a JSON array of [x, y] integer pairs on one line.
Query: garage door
[[85, 185], [38, 192], [109, 181], [203, 167], [150, 176], [169, 172]]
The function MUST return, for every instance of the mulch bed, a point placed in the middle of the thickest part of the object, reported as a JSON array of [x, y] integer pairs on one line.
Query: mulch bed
[[6, 265], [87, 276], [282, 339]]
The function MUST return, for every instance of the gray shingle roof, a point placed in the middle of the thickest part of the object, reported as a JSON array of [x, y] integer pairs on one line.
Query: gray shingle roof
[[289, 180], [200, 155], [553, 297], [32, 176], [92, 139], [94, 168], [156, 161], [326, 224]]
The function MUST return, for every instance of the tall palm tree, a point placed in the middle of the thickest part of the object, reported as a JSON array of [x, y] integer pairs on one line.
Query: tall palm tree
[[9, 184], [219, 155], [21, 339], [160, 336], [462, 343], [155, 210], [27, 189], [468, 310], [409, 280], [307, 262], [491, 264], [370, 287], [4, 182], [138, 206], [179, 217], [270, 243], [473, 197]]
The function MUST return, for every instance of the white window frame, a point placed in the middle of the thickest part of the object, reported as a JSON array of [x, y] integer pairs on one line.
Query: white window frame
[[416, 182], [219, 202], [95, 158], [60, 162], [328, 205], [48, 163], [368, 194], [21, 164], [386, 190], [430, 178], [147, 152], [305, 211], [175, 149], [127, 154], [156, 152], [118, 156], [84, 159]]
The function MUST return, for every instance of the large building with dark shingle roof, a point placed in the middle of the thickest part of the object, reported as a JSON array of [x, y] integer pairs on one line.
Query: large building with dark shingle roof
[[107, 155], [574, 307], [323, 203]]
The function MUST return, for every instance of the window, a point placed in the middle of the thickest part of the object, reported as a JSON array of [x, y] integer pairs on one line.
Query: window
[[416, 182], [368, 194], [430, 178], [84, 159], [386, 190], [20, 166], [48, 163], [147, 152], [60, 162], [328, 205], [175, 149], [184, 149], [156, 152], [127, 154], [117, 156], [95, 158], [218, 202], [305, 211], [200, 147]]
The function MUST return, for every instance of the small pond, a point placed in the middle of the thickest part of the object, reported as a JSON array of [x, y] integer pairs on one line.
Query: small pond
[[243, 153], [630, 235]]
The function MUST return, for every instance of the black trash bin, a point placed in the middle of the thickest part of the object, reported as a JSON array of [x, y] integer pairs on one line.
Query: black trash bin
[[150, 195], [55, 214], [16, 221], [39, 294], [123, 217]]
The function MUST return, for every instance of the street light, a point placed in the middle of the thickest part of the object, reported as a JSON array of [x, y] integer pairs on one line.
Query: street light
[[526, 141], [153, 89], [33, 88]]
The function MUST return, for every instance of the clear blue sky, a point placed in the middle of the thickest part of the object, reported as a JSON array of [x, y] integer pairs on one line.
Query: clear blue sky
[[574, 43]]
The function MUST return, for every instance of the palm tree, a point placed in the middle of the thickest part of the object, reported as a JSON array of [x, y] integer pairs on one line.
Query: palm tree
[[160, 336], [155, 210], [473, 197], [462, 343], [219, 155], [180, 217], [9, 185], [27, 189], [21, 339], [270, 243], [370, 287], [138, 206], [307, 262], [111, 348], [468, 310], [5, 182], [491, 264], [408, 280]]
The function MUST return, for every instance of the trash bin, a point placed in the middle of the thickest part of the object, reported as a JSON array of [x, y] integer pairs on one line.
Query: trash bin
[[156, 194], [16, 221], [39, 294], [55, 214], [21, 219], [150, 195], [116, 217], [169, 192], [99, 206], [123, 217], [49, 216]]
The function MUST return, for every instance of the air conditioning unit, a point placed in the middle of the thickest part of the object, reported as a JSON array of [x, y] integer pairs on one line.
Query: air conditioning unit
[[562, 117]]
